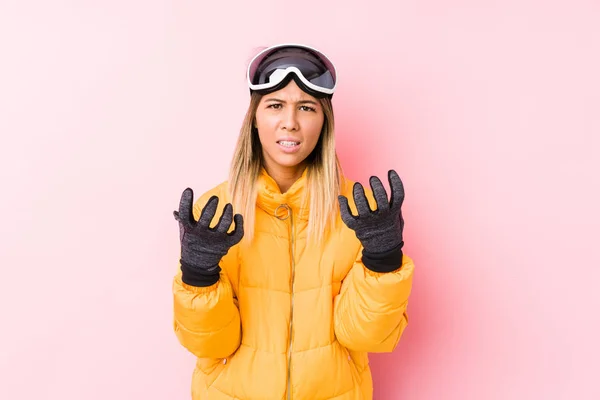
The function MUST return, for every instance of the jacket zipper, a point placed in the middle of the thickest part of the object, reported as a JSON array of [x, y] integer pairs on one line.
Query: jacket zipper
[[292, 281]]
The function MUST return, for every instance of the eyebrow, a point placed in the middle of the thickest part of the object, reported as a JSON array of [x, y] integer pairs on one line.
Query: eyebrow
[[299, 102]]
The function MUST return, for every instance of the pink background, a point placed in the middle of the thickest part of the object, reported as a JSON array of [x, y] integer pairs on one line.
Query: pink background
[[489, 110]]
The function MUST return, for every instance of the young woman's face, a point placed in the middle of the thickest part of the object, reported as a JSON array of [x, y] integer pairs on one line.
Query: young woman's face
[[289, 123]]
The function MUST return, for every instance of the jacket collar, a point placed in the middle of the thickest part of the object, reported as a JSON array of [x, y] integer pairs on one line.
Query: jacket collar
[[272, 201]]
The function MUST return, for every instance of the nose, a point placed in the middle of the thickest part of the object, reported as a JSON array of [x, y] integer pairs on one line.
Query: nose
[[289, 120]]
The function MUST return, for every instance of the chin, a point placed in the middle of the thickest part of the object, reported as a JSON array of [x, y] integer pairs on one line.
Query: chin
[[289, 162]]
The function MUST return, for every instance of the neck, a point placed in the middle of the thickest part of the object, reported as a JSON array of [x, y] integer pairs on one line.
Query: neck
[[285, 176]]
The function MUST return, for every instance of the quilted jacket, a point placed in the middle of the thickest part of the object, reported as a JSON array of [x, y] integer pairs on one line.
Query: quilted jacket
[[289, 319]]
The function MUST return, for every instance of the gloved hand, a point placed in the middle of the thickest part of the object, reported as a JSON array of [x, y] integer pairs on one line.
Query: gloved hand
[[203, 247], [380, 230]]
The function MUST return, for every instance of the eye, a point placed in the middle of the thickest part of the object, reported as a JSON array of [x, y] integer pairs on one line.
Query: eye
[[275, 106], [307, 108]]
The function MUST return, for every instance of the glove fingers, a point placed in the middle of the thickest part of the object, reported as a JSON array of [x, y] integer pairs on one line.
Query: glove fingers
[[360, 199], [346, 212], [208, 212], [185, 207], [226, 218], [238, 231], [181, 232], [379, 193], [397, 190]]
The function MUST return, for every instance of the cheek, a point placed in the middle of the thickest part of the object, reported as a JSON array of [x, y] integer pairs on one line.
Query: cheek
[[314, 132], [265, 127], [262, 118]]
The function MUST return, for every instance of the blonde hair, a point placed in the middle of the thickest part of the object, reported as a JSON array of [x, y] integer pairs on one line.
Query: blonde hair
[[324, 176]]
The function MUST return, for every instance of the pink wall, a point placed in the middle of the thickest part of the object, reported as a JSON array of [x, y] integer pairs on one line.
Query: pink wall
[[489, 110]]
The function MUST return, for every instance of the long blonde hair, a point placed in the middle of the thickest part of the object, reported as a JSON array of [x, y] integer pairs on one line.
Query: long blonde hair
[[324, 175]]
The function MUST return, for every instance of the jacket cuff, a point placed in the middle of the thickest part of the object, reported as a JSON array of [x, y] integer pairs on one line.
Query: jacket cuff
[[199, 277], [383, 262]]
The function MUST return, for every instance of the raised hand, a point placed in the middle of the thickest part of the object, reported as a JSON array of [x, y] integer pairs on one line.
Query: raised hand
[[379, 230], [202, 247]]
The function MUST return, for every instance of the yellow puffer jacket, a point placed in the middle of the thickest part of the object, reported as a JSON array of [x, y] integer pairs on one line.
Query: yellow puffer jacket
[[288, 319]]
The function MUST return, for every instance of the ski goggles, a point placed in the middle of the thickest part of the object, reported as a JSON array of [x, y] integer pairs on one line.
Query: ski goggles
[[274, 67]]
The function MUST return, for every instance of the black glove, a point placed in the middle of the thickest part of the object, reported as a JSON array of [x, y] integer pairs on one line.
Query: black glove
[[379, 231], [203, 247]]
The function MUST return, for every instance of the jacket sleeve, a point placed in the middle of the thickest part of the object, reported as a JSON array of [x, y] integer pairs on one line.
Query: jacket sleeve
[[207, 319], [370, 310]]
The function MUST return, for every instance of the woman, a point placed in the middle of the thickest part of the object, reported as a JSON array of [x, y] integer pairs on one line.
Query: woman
[[286, 301]]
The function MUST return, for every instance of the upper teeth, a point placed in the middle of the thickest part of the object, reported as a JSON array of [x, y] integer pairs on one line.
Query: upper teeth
[[286, 143]]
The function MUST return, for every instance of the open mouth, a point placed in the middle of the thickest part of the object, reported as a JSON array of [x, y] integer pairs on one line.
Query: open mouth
[[287, 143]]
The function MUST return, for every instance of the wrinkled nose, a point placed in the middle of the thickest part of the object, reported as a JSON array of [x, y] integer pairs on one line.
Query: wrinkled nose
[[290, 120]]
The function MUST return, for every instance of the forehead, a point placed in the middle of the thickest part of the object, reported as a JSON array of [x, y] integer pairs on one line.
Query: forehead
[[291, 92]]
